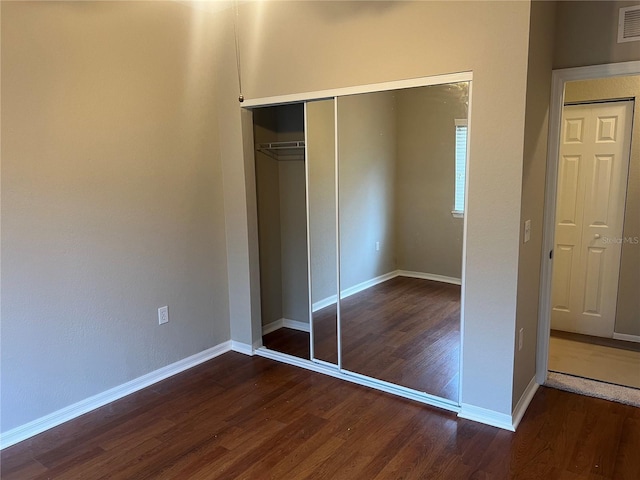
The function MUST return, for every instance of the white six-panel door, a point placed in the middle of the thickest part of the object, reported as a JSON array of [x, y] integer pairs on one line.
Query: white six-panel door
[[592, 181]]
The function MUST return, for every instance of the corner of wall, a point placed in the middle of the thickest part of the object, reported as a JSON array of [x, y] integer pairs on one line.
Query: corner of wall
[[541, 41]]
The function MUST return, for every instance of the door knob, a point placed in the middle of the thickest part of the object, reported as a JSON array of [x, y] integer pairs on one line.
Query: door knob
[[597, 235]]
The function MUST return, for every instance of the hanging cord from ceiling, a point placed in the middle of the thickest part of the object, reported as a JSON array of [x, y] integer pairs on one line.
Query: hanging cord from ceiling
[[236, 35]]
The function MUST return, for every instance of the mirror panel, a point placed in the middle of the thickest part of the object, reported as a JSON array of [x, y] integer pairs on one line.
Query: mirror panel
[[282, 232], [321, 171], [400, 239]]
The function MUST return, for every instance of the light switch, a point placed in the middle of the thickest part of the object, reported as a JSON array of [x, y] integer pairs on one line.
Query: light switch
[[527, 231]]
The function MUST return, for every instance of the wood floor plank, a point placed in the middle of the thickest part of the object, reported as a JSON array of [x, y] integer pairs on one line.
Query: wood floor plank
[[627, 466], [304, 460], [27, 469], [241, 417]]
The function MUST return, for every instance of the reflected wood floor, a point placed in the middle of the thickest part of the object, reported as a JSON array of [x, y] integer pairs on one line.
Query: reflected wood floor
[[241, 417], [404, 331]]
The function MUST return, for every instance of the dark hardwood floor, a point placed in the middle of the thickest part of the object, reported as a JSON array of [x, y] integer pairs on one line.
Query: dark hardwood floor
[[404, 331], [240, 417]]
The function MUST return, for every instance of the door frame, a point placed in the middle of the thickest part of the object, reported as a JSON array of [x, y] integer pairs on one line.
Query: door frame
[[558, 80]]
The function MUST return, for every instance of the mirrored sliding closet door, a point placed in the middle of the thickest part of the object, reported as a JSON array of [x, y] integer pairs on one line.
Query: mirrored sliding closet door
[[400, 158], [361, 201]]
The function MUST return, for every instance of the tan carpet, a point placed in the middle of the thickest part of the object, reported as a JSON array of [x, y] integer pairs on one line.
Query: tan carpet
[[594, 388]]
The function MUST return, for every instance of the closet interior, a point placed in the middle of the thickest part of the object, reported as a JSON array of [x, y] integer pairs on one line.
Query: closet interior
[[361, 226], [282, 227]]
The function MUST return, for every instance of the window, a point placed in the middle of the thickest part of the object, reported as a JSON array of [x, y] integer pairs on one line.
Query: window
[[461, 167]]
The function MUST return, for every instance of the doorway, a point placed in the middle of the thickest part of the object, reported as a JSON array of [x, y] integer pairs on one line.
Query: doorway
[[589, 316]]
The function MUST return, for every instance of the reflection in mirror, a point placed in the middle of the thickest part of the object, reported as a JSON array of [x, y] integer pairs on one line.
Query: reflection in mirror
[[320, 124], [401, 233], [282, 234]]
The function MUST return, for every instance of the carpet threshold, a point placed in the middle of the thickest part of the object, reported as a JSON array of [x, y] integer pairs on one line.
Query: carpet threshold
[[594, 388]]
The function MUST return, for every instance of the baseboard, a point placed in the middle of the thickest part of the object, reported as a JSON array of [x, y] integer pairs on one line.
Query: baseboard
[[287, 323], [523, 403], [23, 432], [347, 292], [626, 337], [325, 302], [296, 325], [272, 327], [244, 348], [486, 416], [430, 276]]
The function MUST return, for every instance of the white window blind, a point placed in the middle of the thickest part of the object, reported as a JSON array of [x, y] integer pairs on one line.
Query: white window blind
[[461, 166]]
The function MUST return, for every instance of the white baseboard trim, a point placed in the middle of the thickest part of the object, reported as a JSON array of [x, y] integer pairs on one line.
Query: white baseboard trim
[[325, 302], [296, 325], [272, 327], [23, 432], [287, 323], [486, 416], [626, 337], [523, 403], [347, 292], [244, 348], [430, 276]]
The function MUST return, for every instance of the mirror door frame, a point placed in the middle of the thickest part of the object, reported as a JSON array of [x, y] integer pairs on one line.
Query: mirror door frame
[[330, 369]]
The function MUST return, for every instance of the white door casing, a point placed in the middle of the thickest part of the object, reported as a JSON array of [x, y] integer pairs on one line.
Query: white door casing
[[592, 178]]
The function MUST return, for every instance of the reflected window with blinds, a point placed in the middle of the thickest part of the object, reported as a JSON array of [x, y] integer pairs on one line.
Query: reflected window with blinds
[[461, 166]]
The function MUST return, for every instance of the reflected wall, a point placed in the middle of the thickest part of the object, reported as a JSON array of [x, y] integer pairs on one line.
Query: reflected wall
[[400, 244]]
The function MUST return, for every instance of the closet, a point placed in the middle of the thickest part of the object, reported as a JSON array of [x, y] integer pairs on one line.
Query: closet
[[361, 233], [282, 226]]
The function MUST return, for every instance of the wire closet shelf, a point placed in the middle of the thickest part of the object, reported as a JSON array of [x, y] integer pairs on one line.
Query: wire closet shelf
[[283, 151]]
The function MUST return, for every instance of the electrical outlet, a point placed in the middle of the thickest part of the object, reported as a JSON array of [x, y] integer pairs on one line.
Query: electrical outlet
[[520, 338], [527, 231], [163, 315], [377, 246]]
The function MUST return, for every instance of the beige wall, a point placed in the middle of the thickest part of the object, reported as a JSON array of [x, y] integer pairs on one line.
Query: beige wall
[[533, 186], [268, 185], [268, 194], [112, 201], [587, 34], [305, 46], [366, 178], [628, 306], [293, 234], [428, 237]]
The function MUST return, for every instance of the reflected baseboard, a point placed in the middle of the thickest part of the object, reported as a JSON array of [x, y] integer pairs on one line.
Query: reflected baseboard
[[429, 276], [285, 323], [331, 300], [324, 303], [347, 292]]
